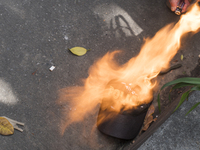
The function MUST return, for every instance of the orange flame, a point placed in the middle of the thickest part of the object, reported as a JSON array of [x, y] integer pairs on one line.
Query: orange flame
[[135, 76]]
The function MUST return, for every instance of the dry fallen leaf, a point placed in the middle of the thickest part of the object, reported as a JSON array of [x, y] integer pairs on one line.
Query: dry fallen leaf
[[148, 118], [6, 127], [79, 51], [150, 111], [147, 123]]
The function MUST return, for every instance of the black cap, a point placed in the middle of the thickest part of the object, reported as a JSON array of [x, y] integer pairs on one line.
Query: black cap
[[123, 125]]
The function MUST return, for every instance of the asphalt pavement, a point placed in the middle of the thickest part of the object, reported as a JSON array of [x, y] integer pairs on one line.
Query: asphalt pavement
[[36, 34]]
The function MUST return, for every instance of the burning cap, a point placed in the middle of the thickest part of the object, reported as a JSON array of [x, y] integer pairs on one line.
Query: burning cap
[[123, 125], [116, 119]]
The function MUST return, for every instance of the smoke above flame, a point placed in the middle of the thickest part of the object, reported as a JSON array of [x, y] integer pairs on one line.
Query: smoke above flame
[[135, 76]]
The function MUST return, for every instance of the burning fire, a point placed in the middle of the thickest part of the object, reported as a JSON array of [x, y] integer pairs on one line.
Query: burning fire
[[130, 85]]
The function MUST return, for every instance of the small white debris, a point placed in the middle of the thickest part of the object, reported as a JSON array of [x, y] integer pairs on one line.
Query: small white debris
[[52, 68], [156, 116], [66, 37], [142, 106]]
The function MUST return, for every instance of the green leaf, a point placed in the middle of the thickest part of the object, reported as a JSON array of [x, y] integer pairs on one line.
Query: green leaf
[[169, 97], [183, 97], [158, 100], [182, 82], [193, 107], [188, 95], [179, 85], [189, 80], [195, 88], [79, 51]]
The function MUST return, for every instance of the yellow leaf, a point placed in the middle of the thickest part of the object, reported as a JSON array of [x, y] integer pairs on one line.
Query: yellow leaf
[[6, 127], [181, 57], [79, 51]]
